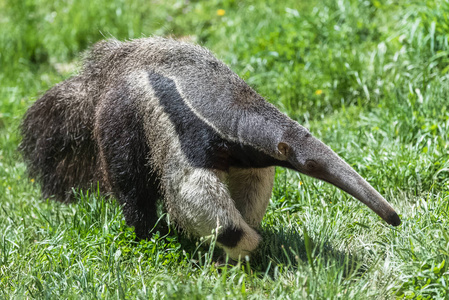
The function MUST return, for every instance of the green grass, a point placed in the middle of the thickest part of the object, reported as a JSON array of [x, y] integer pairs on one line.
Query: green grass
[[369, 78]]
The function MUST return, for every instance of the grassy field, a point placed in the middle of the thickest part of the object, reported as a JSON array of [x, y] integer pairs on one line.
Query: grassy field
[[369, 78]]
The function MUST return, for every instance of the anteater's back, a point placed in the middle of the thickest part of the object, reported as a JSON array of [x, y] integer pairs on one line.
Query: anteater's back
[[58, 142]]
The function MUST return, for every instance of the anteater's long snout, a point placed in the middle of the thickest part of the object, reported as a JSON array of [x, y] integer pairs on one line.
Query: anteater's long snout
[[355, 185], [328, 166]]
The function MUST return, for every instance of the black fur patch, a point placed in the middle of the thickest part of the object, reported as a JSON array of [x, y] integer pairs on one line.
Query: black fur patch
[[200, 143], [230, 237], [125, 151]]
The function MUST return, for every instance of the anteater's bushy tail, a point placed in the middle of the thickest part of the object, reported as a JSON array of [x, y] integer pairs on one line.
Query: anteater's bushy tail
[[57, 143]]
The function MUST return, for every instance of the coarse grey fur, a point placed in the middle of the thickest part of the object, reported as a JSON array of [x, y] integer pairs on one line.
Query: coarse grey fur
[[157, 119]]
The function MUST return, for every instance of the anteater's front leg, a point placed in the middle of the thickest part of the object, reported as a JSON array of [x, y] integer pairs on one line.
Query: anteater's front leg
[[199, 202], [251, 190]]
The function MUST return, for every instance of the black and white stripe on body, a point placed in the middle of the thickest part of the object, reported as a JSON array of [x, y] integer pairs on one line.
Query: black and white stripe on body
[[156, 119], [198, 164]]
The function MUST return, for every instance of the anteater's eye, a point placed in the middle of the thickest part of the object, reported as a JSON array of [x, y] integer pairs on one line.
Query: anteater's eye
[[311, 165]]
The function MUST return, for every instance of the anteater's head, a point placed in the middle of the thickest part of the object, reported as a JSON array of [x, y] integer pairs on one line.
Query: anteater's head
[[312, 157]]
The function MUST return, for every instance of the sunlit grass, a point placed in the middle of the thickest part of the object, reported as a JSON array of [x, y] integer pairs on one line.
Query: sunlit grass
[[369, 78]]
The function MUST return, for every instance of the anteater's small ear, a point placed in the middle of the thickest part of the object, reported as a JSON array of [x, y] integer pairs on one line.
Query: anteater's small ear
[[283, 149]]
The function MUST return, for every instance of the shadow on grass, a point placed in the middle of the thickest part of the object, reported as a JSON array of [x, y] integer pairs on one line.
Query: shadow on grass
[[289, 248], [282, 247], [286, 249]]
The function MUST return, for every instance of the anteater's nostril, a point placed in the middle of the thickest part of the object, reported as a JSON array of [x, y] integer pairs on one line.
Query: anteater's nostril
[[394, 219]]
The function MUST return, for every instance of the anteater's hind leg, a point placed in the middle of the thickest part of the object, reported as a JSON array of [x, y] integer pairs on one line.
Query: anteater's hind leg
[[125, 163], [251, 190], [199, 202]]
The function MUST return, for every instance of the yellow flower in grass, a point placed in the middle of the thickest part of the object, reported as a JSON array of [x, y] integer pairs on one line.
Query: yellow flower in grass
[[32, 180], [318, 92], [221, 12]]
